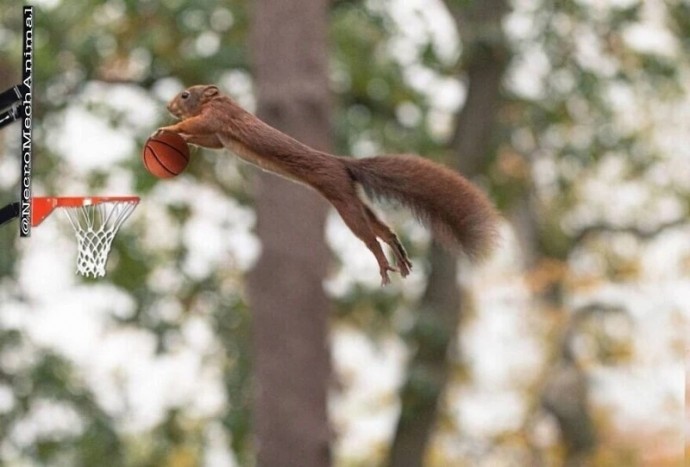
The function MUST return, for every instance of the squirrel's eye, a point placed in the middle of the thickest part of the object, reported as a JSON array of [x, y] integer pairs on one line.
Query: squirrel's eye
[[184, 95]]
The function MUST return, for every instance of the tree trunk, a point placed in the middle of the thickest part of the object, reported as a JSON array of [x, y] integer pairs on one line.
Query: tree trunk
[[440, 310], [433, 334], [290, 308]]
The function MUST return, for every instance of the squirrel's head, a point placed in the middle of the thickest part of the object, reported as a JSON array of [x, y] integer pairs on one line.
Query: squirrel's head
[[189, 102]]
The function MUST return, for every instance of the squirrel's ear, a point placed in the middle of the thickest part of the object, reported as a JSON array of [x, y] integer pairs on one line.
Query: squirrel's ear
[[211, 91]]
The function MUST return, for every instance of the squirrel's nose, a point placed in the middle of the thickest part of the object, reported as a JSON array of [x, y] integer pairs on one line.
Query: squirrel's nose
[[173, 109]]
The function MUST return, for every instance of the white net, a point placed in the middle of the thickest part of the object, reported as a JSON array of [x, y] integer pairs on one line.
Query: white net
[[96, 226]]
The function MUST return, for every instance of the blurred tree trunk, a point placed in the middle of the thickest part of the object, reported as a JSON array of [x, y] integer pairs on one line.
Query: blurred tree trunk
[[290, 308], [565, 395], [440, 310], [565, 391]]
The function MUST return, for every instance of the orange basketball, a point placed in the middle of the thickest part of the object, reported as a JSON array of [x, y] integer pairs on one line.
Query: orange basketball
[[166, 154]]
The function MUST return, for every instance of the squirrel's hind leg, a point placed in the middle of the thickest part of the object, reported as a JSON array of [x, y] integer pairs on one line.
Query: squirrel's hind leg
[[387, 235], [353, 212]]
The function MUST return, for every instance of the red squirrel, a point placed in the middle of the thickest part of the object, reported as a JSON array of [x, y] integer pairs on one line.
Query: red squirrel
[[457, 213]]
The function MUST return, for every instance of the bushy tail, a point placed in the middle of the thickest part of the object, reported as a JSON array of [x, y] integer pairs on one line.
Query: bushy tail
[[457, 212]]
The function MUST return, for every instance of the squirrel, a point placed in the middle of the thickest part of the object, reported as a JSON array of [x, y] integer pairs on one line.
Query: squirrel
[[458, 213]]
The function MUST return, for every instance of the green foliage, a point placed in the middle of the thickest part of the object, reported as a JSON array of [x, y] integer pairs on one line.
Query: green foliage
[[573, 119], [137, 43], [371, 87], [232, 325], [571, 122]]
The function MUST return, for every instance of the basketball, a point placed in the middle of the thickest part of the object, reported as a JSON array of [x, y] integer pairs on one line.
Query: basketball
[[166, 154]]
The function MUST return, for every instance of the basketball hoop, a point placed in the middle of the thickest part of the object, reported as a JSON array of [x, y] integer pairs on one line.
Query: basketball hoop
[[95, 220]]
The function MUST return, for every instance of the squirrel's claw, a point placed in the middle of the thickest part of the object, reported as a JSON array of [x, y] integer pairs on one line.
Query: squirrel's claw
[[170, 128], [156, 133], [385, 280]]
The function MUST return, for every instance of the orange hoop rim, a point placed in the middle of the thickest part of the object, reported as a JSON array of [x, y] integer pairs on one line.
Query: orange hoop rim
[[43, 206], [76, 201]]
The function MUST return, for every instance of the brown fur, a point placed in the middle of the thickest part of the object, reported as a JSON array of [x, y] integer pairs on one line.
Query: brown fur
[[458, 214]]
